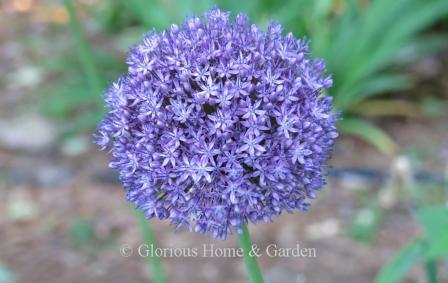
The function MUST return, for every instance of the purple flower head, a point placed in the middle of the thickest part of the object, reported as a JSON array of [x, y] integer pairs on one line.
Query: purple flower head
[[217, 123]]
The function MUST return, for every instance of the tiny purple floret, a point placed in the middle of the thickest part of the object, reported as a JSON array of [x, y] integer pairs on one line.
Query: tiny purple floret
[[217, 123]]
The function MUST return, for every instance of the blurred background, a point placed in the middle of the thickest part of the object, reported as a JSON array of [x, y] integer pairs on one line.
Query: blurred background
[[382, 218]]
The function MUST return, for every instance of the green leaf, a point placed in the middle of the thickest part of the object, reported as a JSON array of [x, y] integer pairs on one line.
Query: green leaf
[[401, 263], [384, 83], [421, 46], [388, 107], [85, 53], [435, 223], [438, 245], [364, 43], [434, 219], [369, 133], [373, 86], [399, 35], [434, 106]]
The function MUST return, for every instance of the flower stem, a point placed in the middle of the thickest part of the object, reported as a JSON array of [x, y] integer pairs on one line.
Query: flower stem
[[150, 240], [249, 259]]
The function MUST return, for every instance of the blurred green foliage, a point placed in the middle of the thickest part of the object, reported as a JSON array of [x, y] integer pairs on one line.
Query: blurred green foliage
[[426, 249], [365, 224], [426, 200], [365, 44], [84, 237], [82, 232]]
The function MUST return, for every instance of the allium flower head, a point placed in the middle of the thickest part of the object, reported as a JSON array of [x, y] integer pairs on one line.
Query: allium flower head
[[217, 123]]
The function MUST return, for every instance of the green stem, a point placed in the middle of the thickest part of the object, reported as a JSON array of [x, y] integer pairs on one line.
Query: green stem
[[431, 271], [150, 240], [249, 259], [85, 54]]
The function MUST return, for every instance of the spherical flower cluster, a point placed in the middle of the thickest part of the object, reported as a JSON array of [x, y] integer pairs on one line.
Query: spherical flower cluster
[[217, 123]]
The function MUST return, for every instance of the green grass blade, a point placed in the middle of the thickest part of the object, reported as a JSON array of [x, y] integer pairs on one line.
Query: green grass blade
[[422, 46], [401, 35], [373, 86], [401, 263], [438, 246], [369, 133], [434, 219], [435, 222], [372, 44], [388, 107], [85, 54]]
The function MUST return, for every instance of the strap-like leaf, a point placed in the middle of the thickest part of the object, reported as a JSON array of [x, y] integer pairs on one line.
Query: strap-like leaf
[[401, 263], [369, 133]]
